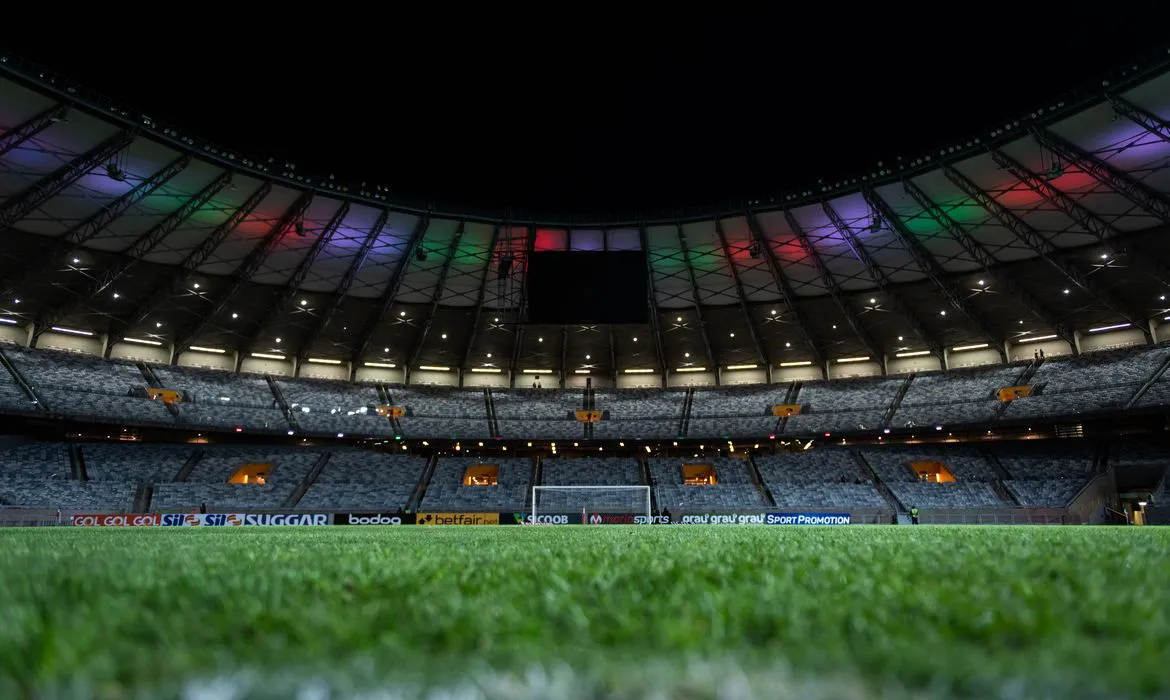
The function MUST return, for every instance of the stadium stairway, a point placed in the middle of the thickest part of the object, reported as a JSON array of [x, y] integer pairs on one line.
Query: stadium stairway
[[790, 397], [424, 481], [898, 507], [1001, 475], [20, 381], [299, 492], [648, 479], [77, 463], [1149, 382], [758, 481], [489, 407], [383, 393], [143, 495], [154, 382], [189, 466], [285, 409], [888, 417], [684, 422]]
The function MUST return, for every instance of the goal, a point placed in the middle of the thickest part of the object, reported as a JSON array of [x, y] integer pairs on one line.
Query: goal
[[590, 501]]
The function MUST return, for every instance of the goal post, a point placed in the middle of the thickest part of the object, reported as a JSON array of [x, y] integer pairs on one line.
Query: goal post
[[591, 500]]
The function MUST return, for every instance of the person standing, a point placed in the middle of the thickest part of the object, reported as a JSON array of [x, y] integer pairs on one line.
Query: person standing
[[913, 515]]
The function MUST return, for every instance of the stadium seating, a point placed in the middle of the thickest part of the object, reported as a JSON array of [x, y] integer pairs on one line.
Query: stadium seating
[[1044, 475], [592, 471], [138, 463], [207, 482], [363, 480], [446, 492], [734, 490], [825, 478]]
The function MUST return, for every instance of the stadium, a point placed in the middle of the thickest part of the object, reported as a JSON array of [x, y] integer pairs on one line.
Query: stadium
[[261, 428]]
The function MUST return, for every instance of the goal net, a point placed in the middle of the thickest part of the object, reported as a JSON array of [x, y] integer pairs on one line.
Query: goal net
[[590, 500]]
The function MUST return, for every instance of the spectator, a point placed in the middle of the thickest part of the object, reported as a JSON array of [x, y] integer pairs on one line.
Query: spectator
[[914, 515]]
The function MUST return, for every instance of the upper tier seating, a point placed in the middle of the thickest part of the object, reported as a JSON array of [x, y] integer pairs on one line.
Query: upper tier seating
[[536, 404], [1098, 381], [753, 401], [75, 372], [214, 387], [632, 404], [446, 492]]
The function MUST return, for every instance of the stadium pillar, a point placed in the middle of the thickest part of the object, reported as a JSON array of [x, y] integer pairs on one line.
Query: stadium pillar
[[236, 359], [1153, 331], [170, 353], [295, 366], [1076, 342], [459, 376], [350, 369], [946, 359], [768, 373], [105, 340], [28, 341]]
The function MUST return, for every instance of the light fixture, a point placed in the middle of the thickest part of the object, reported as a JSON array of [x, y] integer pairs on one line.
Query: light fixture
[[382, 365], [323, 361], [1037, 339], [872, 300], [1114, 327], [679, 319], [142, 341], [434, 368], [852, 359], [587, 357], [76, 260], [961, 348], [235, 315], [486, 370], [196, 285], [116, 295], [304, 302], [401, 313], [278, 340], [267, 356], [1066, 291], [635, 339], [72, 331], [802, 363], [9, 321], [686, 354], [200, 348], [773, 312], [914, 353], [787, 345], [981, 283], [639, 371], [942, 313], [581, 371], [496, 319], [385, 349], [537, 371], [489, 356], [691, 369], [158, 324], [444, 336], [899, 339], [732, 335], [735, 367]]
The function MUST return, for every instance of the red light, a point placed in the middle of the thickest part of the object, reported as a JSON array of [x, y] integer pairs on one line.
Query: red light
[[828, 434], [239, 430], [771, 437]]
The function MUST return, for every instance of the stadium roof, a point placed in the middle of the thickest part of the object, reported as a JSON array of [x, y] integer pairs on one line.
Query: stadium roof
[[1048, 223]]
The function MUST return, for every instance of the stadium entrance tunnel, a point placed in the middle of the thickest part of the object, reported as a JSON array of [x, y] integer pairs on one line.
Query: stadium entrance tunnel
[[933, 471], [482, 475], [699, 475], [253, 473]]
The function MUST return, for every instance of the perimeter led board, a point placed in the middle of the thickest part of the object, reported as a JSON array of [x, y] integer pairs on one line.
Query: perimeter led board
[[576, 287]]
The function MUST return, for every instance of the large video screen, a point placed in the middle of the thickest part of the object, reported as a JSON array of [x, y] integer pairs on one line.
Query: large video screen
[[587, 287]]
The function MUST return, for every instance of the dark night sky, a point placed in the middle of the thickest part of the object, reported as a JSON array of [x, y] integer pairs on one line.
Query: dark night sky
[[590, 118]]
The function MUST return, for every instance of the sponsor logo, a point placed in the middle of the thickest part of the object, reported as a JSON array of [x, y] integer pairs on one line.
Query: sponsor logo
[[458, 519], [199, 519], [627, 519], [724, 519], [530, 519], [120, 520], [808, 519], [372, 519], [297, 519]]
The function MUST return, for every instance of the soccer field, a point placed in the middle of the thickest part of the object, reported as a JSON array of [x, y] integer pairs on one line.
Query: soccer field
[[584, 612]]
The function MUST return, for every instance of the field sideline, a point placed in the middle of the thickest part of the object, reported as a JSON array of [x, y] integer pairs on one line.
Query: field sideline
[[584, 612]]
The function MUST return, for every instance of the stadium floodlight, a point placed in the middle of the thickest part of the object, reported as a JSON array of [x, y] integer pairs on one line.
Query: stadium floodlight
[[913, 353], [200, 348], [852, 359], [71, 331], [267, 356], [383, 365], [1115, 327], [735, 367], [1037, 339], [962, 348], [802, 363], [691, 369], [142, 341], [592, 502], [9, 321]]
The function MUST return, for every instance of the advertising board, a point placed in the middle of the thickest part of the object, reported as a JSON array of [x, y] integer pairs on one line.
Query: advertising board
[[458, 519], [115, 520], [373, 519], [808, 519]]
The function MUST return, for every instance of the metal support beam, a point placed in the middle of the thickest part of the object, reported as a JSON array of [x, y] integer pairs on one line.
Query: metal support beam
[[682, 243], [244, 272], [830, 283], [785, 288], [522, 311], [1143, 117], [942, 281], [20, 205], [87, 229], [437, 295], [878, 275], [564, 353], [652, 293], [166, 289], [290, 289], [487, 272], [1136, 191], [17, 135], [761, 352], [130, 257], [391, 292], [613, 368], [343, 287], [1042, 247], [990, 266]]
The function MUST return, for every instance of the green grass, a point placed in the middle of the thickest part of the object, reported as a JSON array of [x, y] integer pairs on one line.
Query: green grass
[[587, 611]]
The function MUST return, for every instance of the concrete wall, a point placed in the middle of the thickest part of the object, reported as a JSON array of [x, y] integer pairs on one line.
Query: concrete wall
[[480, 379], [844, 370], [138, 352], [906, 365], [72, 343], [798, 374], [13, 334], [973, 358], [690, 379], [259, 365], [194, 358], [386, 375], [745, 376], [420, 376], [313, 370], [633, 381], [1122, 338], [1052, 348]]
